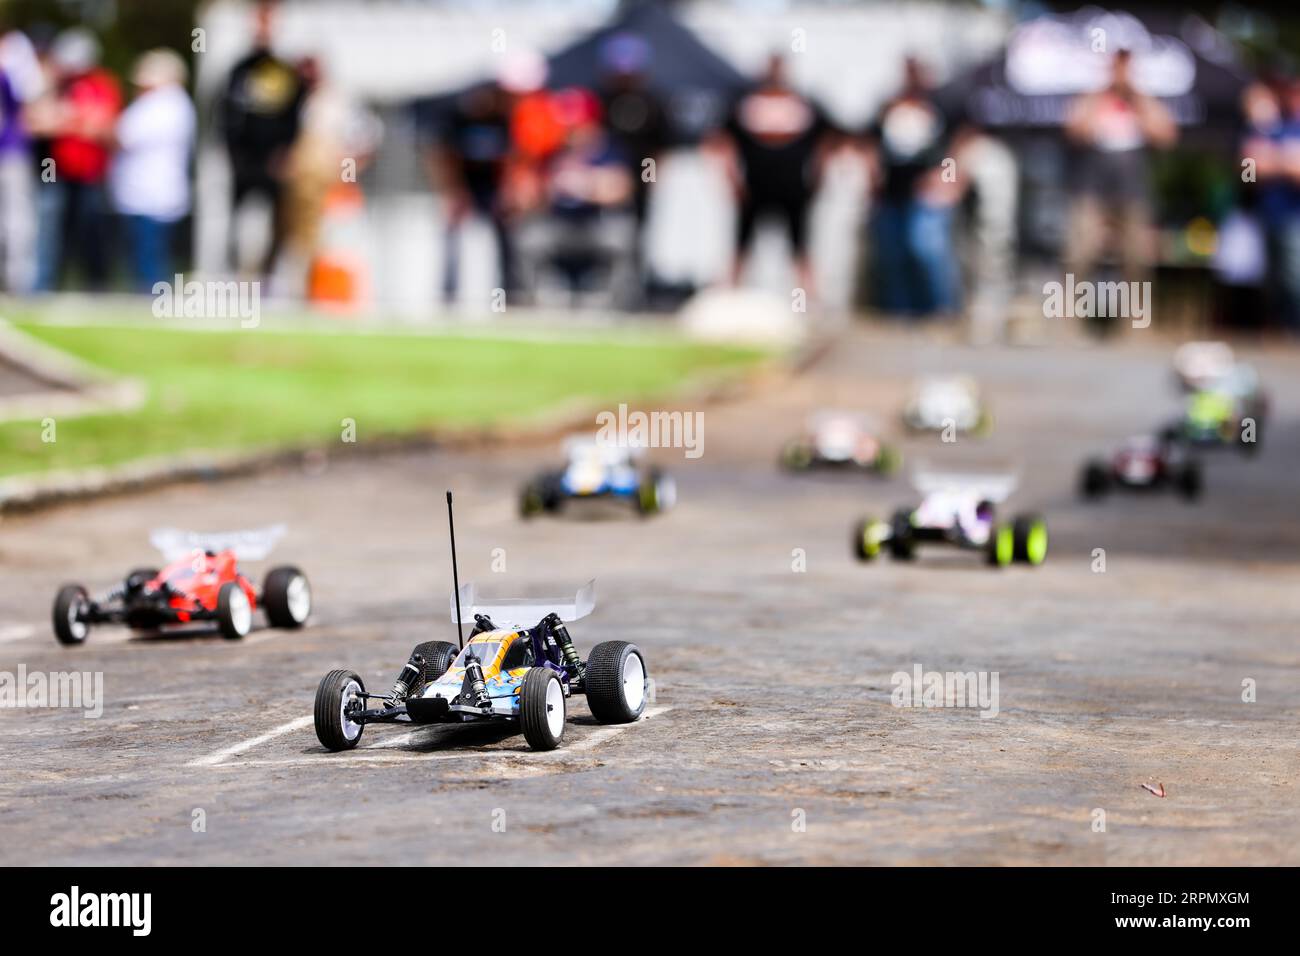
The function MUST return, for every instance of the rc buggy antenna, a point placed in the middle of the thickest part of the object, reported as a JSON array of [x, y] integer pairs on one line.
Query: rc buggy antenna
[[455, 578]]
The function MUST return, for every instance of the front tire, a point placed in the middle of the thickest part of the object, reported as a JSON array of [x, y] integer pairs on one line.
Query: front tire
[[335, 696], [542, 708], [902, 544], [69, 606], [287, 597], [866, 540], [616, 682], [1002, 546], [234, 612]]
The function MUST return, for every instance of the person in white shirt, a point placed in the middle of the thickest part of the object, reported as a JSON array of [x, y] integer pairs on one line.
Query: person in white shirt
[[150, 178]]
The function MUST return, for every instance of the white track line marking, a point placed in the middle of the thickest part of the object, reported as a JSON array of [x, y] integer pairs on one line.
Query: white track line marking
[[16, 632], [212, 760], [367, 755]]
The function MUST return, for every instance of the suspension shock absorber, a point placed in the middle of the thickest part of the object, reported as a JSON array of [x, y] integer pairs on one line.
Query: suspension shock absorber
[[477, 686], [411, 674], [561, 635]]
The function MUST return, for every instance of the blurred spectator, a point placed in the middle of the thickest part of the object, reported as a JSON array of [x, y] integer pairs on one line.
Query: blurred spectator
[[77, 119], [916, 264], [1272, 142], [471, 163], [336, 139], [149, 179], [637, 123], [20, 81], [259, 116], [1112, 208], [1246, 255], [777, 140], [588, 222]]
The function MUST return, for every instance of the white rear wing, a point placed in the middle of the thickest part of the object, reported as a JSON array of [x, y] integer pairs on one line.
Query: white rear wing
[[995, 486], [253, 544], [524, 612]]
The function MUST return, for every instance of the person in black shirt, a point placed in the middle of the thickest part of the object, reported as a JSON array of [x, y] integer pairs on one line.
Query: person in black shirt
[[259, 117], [472, 159], [778, 140], [915, 261], [635, 119]]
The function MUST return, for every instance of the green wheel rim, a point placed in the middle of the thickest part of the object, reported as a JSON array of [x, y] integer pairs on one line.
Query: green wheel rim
[[1004, 545], [870, 541], [1036, 543]]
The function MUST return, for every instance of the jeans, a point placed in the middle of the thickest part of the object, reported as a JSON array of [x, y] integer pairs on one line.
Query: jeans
[[916, 261], [73, 226], [150, 241]]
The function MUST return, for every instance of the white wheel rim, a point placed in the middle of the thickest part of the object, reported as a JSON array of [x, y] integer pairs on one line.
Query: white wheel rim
[[666, 492], [298, 598], [351, 729], [75, 627], [241, 613], [555, 708], [633, 681]]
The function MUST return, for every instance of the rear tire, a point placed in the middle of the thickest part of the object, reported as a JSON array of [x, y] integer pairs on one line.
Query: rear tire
[[542, 708], [655, 493], [530, 501], [796, 456], [1095, 481], [888, 460], [438, 656], [902, 544], [616, 682], [234, 612], [335, 731], [142, 575], [1190, 482], [1029, 539], [286, 596], [68, 607]]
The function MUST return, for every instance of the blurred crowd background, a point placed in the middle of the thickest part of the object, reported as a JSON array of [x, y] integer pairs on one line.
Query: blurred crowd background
[[920, 160]]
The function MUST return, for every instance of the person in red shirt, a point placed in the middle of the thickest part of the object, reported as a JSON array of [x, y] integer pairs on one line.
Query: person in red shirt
[[77, 120]]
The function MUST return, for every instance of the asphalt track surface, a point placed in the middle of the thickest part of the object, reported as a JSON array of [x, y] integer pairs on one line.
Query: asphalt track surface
[[771, 738]]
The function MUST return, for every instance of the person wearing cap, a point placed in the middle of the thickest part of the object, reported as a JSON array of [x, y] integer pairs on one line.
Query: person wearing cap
[[78, 121], [149, 179]]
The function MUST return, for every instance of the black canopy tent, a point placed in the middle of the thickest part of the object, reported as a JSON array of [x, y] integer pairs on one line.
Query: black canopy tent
[[1027, 106], [1205, 103], [695, 84]]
